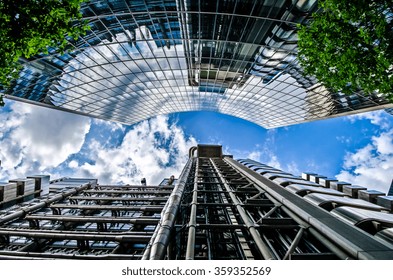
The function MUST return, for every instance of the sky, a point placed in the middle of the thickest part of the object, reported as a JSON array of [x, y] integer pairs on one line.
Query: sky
[[34, 140]]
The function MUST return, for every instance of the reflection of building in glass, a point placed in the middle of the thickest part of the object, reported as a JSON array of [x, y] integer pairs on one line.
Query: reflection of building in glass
[[218, 208], [144, 58], [389, 110], [390, 193]]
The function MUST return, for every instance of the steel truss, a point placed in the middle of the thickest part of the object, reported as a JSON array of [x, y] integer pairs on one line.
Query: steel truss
[[225, 215], [88, 222]]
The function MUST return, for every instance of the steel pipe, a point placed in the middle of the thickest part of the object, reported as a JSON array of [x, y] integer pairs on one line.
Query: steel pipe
[[128, 187], [76, 236], [140, 192], [271, 211], [331, 246], [146, 254], [50, 231], [119, 198], [21, 212], [221, 226], [190, 251], [93, 219], [294, 244], [256, 196], [108, 207], [47, 255], [157, 246], [263, 248]]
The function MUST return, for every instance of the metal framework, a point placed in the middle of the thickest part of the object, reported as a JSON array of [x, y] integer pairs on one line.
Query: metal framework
[[230, 217], [145, 58], [218, 209], [88, 221], [247, 210]]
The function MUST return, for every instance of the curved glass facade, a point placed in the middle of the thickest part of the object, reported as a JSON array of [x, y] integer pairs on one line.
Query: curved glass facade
[[145, 58]]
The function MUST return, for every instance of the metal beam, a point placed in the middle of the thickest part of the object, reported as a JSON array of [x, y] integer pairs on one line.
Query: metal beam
[[94, 219], [14, 255], [76, 236], [108, 207], [140, 192], [119, 198]]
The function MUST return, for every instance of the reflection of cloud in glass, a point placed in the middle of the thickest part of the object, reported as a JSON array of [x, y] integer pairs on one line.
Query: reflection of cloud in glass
[[129, 82], [126, 82], [147, 59]]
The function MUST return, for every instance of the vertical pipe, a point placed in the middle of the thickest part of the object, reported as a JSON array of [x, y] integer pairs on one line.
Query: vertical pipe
[[146, 253], [156, 247], [190, 252], [263, 248]]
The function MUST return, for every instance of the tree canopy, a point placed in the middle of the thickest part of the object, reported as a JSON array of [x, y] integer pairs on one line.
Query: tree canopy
[[29, 27], [348, 45]]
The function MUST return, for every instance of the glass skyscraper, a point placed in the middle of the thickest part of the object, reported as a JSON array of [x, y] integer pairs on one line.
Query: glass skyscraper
[[151, 57], [218, 209]]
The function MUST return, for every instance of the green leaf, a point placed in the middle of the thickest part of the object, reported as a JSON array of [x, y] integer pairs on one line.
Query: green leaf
[[39, 24], [354, 39]]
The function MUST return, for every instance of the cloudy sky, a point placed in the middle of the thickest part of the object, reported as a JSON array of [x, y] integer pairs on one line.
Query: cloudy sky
[[36, 140]]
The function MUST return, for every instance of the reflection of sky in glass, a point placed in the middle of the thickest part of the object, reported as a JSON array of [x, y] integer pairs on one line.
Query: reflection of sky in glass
[[130, 82], [125, 82], [143, 59]]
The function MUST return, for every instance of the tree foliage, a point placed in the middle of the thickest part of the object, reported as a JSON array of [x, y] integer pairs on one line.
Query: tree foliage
[[29, 27], [348, 45]]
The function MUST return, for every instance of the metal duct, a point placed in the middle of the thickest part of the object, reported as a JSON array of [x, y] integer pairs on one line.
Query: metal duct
[[190, 252], [156, 248]]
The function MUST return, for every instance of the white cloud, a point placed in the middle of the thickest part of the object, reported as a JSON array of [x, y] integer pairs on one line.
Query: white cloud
[[34, 138], [255, 155], [293, 168], [376, 117], [40, 140], [274, 162], [372, 165], [384, 143], [73, 164], [263, 155], [153, 149], [112, 125]]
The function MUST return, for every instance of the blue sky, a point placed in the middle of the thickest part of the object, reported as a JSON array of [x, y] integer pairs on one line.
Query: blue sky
[[36, 140]]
